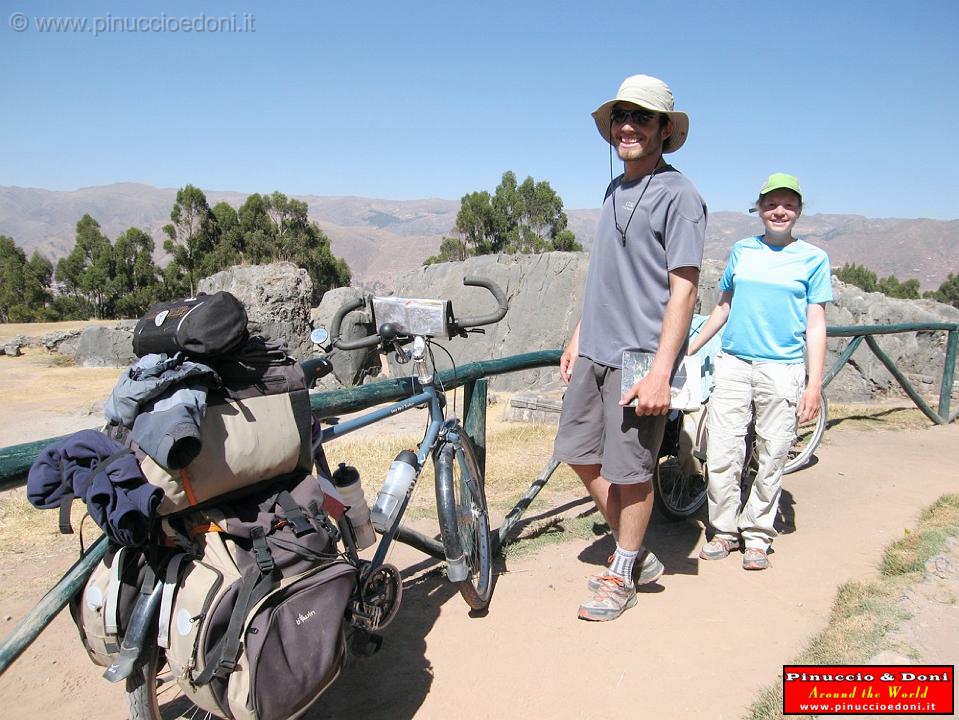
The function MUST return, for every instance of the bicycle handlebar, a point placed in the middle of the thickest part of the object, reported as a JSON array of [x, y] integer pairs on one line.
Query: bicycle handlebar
[[490, 318], [455, 326]]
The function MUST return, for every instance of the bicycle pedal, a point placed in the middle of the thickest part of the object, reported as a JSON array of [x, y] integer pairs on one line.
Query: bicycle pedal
[[365, 644]]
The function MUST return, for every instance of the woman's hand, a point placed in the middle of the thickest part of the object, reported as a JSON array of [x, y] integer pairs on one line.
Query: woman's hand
[[808, 404]]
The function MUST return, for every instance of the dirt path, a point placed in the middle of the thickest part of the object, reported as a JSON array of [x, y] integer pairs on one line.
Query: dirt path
[[700, 643]]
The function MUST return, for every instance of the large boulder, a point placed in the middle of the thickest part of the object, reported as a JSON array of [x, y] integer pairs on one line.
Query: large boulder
[[100, 346], [545, 301], [545, 295], [277, 300], [350, 367]]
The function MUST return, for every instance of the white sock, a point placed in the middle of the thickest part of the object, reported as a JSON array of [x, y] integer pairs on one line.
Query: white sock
[[622, 565]]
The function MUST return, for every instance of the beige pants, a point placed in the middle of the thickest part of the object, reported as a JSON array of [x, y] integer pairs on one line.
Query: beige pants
[[771, 391]]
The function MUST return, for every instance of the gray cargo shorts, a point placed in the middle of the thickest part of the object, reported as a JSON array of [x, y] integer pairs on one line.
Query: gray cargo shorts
[[595, 430]]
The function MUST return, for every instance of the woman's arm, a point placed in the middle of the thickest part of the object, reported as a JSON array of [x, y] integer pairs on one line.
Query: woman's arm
[[717, 318], [816, 361]]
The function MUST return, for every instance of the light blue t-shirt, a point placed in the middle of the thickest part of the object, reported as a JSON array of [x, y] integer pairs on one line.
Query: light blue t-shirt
[[771, 288]]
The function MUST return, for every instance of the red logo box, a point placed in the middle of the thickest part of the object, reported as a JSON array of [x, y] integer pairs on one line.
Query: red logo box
[[868, 689]]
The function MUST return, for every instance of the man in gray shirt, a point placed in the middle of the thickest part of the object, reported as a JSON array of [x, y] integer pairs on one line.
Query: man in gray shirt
[[640, 290]]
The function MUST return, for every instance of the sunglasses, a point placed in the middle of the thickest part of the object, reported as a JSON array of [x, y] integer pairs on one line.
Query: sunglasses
[[636, 116]]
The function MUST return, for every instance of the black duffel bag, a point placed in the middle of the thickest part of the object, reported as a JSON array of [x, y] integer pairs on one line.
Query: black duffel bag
[[203, 327]]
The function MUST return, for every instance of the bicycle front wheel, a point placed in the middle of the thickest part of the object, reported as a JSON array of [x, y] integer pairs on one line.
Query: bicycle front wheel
[[464, 519], [808, 437], [155, 695]]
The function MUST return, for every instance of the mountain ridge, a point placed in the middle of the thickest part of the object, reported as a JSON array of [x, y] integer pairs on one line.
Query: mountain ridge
[[381, 237]]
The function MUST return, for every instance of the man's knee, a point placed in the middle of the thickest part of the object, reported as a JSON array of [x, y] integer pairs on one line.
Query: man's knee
[[587, 473]]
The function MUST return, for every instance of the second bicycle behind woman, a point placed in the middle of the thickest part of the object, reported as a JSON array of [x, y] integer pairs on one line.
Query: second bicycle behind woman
[[774, 291]]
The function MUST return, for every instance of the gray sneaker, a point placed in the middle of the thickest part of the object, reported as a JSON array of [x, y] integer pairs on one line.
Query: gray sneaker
[[718, 548], [609, 600], [648, 569]]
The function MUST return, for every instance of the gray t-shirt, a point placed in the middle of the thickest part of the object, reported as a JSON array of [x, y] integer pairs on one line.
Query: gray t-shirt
[[627, 285]]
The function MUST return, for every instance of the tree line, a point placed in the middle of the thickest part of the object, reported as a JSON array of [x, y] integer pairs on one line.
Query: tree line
[[865, 279], [118, 279], [525, 217]]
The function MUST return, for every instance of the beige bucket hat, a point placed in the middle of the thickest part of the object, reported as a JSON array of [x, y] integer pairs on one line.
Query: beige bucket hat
[[650, 93]]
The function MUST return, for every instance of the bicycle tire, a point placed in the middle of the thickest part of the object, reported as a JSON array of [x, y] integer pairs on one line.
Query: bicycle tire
[[677, 494], [463, 516], [153, 699], [808, 437]]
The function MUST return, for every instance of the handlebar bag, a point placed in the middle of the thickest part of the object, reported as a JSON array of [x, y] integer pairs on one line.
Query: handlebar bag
[[204, 326], [252, 617]]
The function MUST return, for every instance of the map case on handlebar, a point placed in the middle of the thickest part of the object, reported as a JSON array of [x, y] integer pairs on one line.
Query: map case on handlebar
[[414, 316]]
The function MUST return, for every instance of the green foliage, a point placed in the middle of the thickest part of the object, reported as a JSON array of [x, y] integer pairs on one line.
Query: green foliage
[[24, 284], [948, 292], [135, 284], [864, 278], [517, 218], [275, 228], [858, 275], [85, 273], [192, 237]]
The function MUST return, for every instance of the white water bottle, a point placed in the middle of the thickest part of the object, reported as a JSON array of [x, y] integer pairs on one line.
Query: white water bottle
[[347, 481], [399, 479]]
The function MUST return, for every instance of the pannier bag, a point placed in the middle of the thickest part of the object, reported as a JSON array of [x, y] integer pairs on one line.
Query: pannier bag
[[252, 620], [203, 327], [102, 609], [256, 428]]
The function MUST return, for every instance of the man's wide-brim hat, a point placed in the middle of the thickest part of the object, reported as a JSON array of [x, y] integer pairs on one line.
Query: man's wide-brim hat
[[650, 93]]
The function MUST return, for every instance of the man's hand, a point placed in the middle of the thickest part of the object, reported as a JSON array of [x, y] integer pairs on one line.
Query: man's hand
[[566, 362], [568, 358], [652, 396]]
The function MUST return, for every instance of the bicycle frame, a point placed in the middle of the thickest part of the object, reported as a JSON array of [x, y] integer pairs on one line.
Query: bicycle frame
[[430, 396]]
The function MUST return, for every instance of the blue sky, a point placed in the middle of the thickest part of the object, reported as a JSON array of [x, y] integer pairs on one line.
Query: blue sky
[[421, 99]]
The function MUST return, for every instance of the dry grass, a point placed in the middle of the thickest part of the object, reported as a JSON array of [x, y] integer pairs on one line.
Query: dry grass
[[11, 330], [876, 417], [864, 613], [516, 455]]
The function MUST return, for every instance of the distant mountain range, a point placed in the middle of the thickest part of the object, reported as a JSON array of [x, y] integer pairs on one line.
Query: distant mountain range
[[380, 238]]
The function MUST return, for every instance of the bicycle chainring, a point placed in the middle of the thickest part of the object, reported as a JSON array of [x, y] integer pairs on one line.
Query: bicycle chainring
[[379, 597]]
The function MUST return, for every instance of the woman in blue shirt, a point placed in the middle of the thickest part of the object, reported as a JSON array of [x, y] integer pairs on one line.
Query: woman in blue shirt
[[774, 291]]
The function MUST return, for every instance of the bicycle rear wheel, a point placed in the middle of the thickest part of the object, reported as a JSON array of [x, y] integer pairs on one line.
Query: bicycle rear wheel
[[464, 519], [808, 437], [677, 494]]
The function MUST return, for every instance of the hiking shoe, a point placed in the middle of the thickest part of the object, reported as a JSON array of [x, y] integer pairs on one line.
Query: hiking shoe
[[645, 571], [609, 601], [755, 559], [718, 548]]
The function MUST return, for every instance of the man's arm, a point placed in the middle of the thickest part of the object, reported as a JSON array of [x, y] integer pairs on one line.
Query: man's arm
[[652, 392]]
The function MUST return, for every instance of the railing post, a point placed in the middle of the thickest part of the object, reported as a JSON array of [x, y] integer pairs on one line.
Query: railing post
[[474, 403], [948, 374]]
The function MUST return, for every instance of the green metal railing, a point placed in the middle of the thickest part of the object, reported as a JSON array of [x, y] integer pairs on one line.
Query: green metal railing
[[859, 333], [15, 461]]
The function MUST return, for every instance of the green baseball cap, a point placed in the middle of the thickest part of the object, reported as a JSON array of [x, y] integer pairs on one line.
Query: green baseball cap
[[781, 181]]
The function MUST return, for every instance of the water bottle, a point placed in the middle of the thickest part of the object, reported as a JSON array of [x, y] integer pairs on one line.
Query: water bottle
[[347, 481], [399, 479]]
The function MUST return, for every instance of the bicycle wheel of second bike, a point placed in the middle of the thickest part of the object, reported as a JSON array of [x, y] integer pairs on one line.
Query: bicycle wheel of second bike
[[464, 519], [808, 437], [678, 494]]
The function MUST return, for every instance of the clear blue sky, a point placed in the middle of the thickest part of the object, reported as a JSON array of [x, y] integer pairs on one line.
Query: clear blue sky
[[413, 99]]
